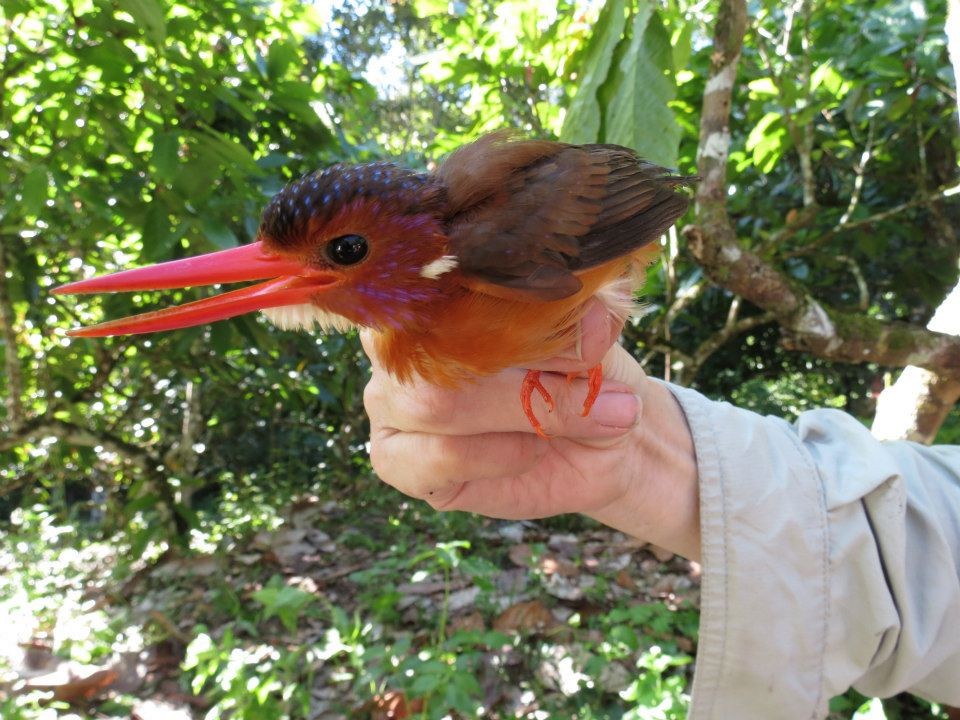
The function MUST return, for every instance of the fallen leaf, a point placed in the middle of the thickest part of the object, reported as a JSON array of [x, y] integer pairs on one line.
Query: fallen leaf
[[511, 531], [625, 580], [531, 615], [393, 705], [462, 599], [73, 688], [552, 565], [520, 555], [565, 588], [564, 543], [472, 622]]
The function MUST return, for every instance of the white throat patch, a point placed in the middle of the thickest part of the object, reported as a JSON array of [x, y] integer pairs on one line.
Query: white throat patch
[[305, 316]]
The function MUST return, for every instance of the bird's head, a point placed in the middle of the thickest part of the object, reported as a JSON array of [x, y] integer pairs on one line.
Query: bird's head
[[349, 245]]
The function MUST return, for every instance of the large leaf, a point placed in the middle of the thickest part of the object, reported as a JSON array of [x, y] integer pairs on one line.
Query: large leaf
[[219, 233], [34, 190], [583, 121], [641, 87], [627, 85], [148, 15], [165, 158]]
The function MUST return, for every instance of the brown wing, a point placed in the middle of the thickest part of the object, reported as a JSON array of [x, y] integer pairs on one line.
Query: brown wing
[[527, 216]]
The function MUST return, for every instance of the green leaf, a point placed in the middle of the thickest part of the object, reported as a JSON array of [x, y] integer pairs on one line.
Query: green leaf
[[229, 96], [148, 15], [144, 502], [166, 155], [682, 44], [887, 66], [140, 540], [283, 601], [898, 104], [768, 141], [231, 154], [195, 178], [826, 76], [638, 114], [113, 58], [13, 8], [763, 87], [426, 8], [280, 57], [583, 120], [33, 191], [219, 233], [158, 236]]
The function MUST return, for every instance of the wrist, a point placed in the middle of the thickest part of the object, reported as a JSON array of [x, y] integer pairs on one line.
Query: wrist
[[660, 502]]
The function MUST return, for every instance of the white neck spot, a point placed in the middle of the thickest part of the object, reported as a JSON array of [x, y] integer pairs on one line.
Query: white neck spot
[[443, 264]]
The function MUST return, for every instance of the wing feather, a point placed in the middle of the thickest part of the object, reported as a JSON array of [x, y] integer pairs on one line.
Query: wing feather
[[527, 216]]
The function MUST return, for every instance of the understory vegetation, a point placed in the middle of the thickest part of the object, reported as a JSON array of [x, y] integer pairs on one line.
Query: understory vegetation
[[189, 523]]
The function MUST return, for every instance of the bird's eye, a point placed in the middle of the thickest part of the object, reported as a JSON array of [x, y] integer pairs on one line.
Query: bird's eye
[[347, 249]]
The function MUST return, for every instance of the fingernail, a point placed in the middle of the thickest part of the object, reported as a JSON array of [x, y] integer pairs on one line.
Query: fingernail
[[616, 409]]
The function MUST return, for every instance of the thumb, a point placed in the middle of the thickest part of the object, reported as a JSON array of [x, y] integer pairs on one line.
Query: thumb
[[619, 366]]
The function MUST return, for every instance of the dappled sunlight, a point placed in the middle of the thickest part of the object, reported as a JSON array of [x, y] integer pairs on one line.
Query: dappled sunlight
[[190, 525]]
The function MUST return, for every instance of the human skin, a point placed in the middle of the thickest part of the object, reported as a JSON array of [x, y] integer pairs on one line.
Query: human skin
[[630, 464]]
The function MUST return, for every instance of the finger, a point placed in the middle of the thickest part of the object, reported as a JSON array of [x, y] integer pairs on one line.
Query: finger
[[492, 404], [620, 367], [435, 467]]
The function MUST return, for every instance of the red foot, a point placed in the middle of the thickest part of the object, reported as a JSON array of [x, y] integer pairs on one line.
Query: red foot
[[532, 382], [594, 381]]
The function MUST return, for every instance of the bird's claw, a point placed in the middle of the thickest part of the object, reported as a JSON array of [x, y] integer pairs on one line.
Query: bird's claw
[[531, 382], [594, 381]]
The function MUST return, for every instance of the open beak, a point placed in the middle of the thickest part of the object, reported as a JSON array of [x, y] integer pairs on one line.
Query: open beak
[[293, 283]]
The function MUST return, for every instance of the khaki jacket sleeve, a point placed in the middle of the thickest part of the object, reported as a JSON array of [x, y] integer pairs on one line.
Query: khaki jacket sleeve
[[830, 560]]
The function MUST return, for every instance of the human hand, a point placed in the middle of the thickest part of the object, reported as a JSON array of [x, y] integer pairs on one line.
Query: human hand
[[629, 464]]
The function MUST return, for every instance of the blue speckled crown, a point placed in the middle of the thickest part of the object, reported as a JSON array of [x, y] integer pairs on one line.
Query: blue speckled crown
[[322, 194]]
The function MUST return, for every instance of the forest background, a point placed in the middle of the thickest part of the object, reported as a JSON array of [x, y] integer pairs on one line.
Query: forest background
[[190, 524]]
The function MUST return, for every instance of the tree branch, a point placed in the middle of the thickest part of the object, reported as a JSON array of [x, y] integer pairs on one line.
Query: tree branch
[[729, 330], [148, 463], [810, 326], [806, 324], [41, 427], [919, 201]]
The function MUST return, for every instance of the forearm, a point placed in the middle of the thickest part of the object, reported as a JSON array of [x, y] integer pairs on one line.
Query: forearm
[[829, 560]]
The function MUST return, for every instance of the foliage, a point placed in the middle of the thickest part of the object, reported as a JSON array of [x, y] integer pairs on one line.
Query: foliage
[[259, 682], [627, 84], [826, 126], [142, 130]]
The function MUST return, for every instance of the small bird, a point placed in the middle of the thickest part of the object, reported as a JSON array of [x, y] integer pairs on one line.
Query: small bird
[[483, 264]]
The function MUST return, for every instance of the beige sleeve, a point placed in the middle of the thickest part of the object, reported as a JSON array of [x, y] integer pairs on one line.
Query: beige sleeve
[[829, 560]]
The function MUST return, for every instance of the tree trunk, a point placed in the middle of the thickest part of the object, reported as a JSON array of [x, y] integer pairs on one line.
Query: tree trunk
[[915, 406]]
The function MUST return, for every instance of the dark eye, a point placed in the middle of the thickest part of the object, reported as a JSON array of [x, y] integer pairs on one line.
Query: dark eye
[[347, 249]]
